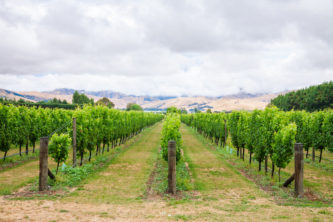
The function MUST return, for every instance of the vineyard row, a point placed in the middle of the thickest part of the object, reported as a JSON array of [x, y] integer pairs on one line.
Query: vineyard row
[[268, 133]]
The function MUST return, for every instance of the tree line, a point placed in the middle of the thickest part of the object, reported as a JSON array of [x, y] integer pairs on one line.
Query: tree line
[[78, 100], [53, 103], [313, 98]]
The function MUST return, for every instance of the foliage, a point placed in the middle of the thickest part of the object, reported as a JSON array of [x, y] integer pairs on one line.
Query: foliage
[[99, 124], [21, 122], [283, 145], [318, 136], [55, 101], [273, 121], [34, 124], [183, 111], [327, 129], [49, 104], [5, 129], [242, 129], [75, 175], [105, 102], [250, 139], [171, 131], [317, 133], [133, 106], [196, 110], [258, 130], [310, 99], [58, 147], [302, 120], [211, 125], [95, 125], [232, 125], [81, 99], [173, 109]]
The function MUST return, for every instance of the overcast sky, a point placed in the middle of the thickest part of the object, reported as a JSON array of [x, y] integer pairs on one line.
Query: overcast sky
[[171, 47]]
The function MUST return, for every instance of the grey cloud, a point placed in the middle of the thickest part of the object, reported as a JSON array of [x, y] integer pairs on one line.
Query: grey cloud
[[167, 47]]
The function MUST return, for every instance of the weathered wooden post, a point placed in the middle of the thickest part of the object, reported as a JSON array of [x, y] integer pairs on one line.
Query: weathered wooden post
[[43, 163], [172, 167], [74, 142], [299, 170]]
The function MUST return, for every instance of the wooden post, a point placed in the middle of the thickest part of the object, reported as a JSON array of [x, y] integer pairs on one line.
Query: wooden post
[[74, 142], [172, 167], [43, 164], [299, 170], [313, 154]]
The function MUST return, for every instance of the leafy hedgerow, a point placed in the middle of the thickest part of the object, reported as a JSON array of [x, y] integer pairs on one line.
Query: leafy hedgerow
[[171, 131], [283, 146]]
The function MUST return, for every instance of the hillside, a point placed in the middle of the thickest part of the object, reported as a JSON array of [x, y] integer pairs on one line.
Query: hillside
[[241, 101]]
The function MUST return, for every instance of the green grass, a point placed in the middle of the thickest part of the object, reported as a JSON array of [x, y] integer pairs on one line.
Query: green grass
[[281, 217], [160, 182], [214, 177], [71, 177], [324, 165], [27, 173], [19, 176], [181, 217], [124, 179], [264, 180], [16, 161]]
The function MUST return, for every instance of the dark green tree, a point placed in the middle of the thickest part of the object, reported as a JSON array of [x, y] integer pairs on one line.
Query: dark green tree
[[313, 98], [133, 106], [173, 109], [105, 102], [81, 99]]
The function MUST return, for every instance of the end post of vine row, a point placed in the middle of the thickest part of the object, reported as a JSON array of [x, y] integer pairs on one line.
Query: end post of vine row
[[299, 170], [43, 163]]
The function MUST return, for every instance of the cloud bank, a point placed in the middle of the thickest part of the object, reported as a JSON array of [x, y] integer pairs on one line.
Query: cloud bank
[[166, 47]]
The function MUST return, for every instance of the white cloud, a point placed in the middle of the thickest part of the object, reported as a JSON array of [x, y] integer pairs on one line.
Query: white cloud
[[166, 47]]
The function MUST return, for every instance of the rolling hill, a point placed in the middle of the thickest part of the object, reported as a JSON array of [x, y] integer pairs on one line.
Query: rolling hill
[[241, 101]]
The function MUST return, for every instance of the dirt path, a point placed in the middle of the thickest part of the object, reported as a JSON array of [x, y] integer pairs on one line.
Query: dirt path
[[115, 194]]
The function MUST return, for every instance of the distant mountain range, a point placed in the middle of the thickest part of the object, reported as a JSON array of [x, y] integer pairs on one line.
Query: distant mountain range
[[108, 94], [240, 101]]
